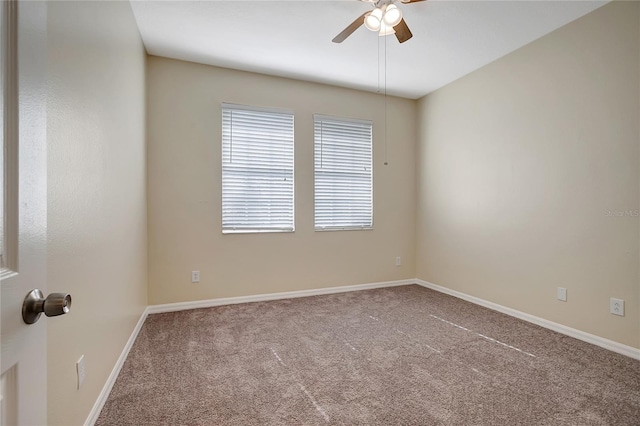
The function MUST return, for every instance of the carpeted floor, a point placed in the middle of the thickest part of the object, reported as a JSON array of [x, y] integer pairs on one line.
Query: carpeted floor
[[393, 356]]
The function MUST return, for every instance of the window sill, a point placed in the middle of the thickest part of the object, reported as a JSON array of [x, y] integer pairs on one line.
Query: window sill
[[257, 231], [369, 228]]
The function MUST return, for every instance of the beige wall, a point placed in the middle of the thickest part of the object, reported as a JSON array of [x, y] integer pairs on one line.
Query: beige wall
[[184, 156], [518, 163], [96, 191]]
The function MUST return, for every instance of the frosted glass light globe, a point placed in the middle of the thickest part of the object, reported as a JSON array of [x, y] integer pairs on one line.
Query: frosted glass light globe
[[392, 15], [373, 20]]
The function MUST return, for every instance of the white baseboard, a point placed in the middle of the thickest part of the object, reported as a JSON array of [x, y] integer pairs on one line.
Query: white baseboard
[[563, 329], [182, 306], [111, 380]]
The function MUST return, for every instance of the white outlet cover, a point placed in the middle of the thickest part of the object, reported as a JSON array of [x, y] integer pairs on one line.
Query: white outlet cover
[[562, 294], [195, 276], [616, 306]]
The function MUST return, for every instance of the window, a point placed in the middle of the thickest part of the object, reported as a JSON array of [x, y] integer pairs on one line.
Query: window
[[257, 170], [343, 173]]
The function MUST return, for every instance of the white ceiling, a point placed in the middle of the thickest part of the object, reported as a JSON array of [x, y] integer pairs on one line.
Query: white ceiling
[[293, 38]]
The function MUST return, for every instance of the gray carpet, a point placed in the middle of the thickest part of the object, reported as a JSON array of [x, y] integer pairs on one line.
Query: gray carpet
[[394, 356]]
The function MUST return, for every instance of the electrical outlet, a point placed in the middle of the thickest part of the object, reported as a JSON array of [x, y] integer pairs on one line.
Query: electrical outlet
[[616, 306], [562, 294], [398, 261], [81, 371], [195, 276]]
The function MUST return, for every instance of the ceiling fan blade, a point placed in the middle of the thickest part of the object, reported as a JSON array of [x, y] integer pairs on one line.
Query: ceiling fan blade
[[350, 29], [402, 31]]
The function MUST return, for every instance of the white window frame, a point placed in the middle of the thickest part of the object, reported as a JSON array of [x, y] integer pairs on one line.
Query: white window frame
[[320, 159], [286, 142]]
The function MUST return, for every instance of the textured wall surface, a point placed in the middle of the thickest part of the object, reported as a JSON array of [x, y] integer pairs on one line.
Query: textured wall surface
[[528, 177], [184, 154], [96, 191]]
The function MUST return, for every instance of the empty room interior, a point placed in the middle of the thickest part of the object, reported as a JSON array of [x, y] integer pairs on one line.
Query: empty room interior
[[343, 212]]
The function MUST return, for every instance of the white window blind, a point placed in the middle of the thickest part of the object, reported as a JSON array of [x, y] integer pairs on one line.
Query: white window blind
[[343, 173], [257, 169]]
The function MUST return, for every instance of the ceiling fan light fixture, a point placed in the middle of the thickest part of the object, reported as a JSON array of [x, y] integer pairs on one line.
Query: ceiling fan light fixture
[[386, 18], [373, 20], [386, 30], [392, 15]]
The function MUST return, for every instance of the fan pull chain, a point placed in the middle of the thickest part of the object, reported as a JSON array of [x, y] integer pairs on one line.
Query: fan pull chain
[[378, 67], [386, 133]]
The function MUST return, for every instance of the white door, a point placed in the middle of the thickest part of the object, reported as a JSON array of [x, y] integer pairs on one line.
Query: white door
[[24, 357]]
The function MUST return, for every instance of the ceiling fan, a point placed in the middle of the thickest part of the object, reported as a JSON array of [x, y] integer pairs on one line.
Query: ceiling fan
[[386, 18]]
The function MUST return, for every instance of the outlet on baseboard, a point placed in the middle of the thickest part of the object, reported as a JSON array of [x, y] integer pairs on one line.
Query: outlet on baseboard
[[81, 371], [195, 276], [562, 294]]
